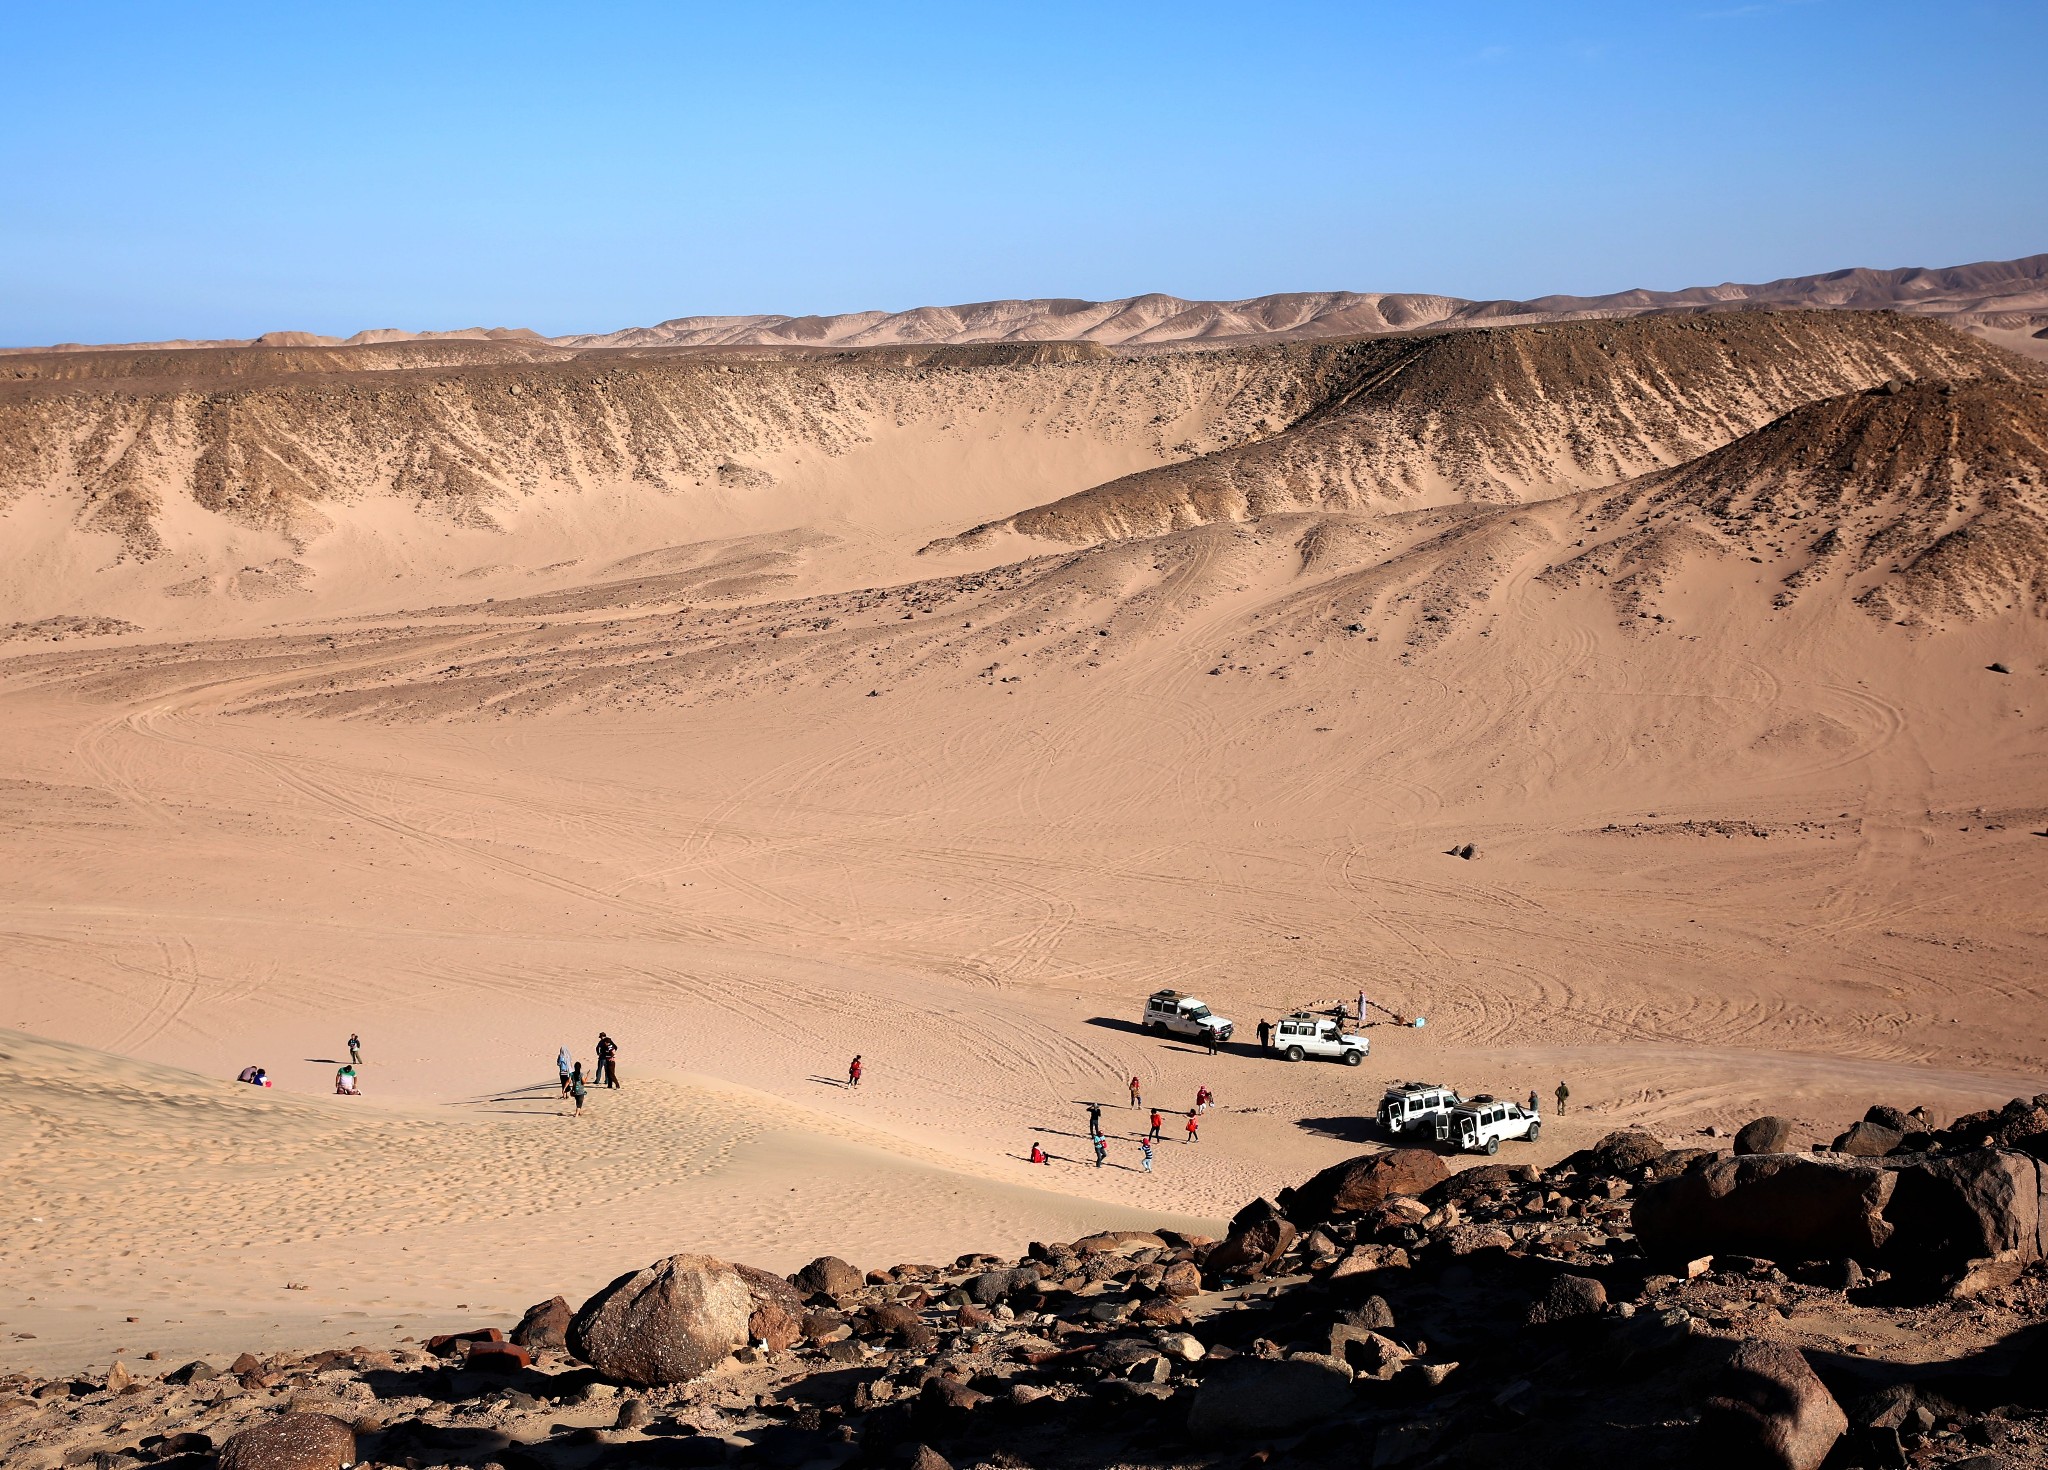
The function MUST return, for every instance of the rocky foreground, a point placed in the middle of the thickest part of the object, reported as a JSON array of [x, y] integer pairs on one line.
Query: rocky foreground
[[1881, 1302]]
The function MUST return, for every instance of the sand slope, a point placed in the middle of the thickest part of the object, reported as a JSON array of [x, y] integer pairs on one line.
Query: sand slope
[[1740, 839]]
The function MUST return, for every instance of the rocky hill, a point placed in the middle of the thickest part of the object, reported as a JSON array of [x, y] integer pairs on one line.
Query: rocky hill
[[1519, 413]]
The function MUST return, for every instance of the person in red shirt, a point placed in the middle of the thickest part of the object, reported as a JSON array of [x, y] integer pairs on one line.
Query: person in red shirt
[[1038, 1154], [1157, 1123], [853, 1073], [1136, 1101], [1193, 1124]]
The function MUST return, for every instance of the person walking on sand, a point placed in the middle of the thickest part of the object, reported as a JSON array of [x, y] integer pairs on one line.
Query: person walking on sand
[[1204, 1099], [1038, 1154], [1094, 1119], [1194, 1126], [1563, 1092], [355, 1050], [1136, 1100], [577, 1090], [1101, 1149], [1145, 1152], [607, 1061], [853, 1072], [562, 1065], [1157, 1122], [1265, 1033]]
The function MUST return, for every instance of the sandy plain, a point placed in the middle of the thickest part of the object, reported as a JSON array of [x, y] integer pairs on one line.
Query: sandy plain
[[957, 813]]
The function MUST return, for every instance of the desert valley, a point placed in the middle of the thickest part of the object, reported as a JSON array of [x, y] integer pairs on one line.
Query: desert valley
[[1647, 693]]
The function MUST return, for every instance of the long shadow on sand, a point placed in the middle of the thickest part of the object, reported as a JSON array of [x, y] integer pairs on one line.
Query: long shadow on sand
[[1352, 1129]]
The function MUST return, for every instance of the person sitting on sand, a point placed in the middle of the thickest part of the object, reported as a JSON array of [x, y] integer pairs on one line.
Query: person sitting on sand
[[345, 1082], [1038, 1154], [251, 1075]]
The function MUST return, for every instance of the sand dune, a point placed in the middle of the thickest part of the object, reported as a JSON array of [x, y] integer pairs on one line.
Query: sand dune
[[745, 782]]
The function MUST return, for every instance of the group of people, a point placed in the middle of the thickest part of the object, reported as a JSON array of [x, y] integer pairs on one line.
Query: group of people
[[1204, 1100], [606, 1074]]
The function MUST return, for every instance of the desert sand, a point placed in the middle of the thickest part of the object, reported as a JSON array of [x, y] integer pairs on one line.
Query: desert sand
[[762, 714]]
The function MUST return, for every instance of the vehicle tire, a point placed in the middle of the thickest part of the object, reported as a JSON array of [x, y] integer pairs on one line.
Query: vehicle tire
[[1535, 1131], [1293, 1053], [1493, 1145], [1154, 1028]]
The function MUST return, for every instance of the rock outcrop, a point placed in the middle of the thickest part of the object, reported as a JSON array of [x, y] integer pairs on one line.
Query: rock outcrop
[[668, 1323]]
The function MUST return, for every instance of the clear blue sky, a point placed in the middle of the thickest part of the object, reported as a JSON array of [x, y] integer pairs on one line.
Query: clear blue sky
[[194, 169]]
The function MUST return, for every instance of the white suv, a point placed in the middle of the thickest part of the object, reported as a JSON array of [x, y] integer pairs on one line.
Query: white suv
[[1480, 1125], [1169, 1010], [1414, 1107], [1303, 1035]]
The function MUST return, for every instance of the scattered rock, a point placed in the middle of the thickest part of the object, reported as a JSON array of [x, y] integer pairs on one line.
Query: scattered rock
[[1259, 1235], [291, 1442], [669, 1323], [545, 1326], [991, 1287], [1569, 1297]]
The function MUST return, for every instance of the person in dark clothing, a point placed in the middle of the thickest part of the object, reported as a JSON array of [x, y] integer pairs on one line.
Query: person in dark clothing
[[1265, 1034], [1214, 1044], [355, 1050], [1563, 1092], [1094, 1119], [607, 1061]]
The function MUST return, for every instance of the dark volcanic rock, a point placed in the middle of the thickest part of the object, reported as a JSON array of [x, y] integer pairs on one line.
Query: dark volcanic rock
[[1765, 1136], [1622, 1152], [545, 1325], [1569, 1297], [1362, 1183], [829, 1276], [291, 1442], [991, 1287], [668, 1323], [1778, 1206], [1268, 1395], [1768, 1408], [1868, 1140], [1259, 1235]]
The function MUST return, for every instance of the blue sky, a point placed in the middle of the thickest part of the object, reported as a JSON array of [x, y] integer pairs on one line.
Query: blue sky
[[218, 170]]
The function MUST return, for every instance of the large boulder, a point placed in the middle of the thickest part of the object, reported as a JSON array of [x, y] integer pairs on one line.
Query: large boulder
[[291, 1442], [1568, 1297], [1765, 1136], [1268, 1395], [1768, 1409], [1934, 1213], [1621, 1152], [1361, 1184], [1259, 1235], [1952, 1209], [829, 1276], [1784, 1207], [1868, 1140], [669, 1323], [545, 1325]]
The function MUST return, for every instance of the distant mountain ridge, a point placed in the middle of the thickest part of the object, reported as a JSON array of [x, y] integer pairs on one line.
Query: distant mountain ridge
[[2000, 296]]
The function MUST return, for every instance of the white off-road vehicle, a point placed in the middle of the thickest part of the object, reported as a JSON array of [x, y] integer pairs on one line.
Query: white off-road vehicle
[[1414, 1107], [1183, 1015], [1479, 1125], [1303, 1035]]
